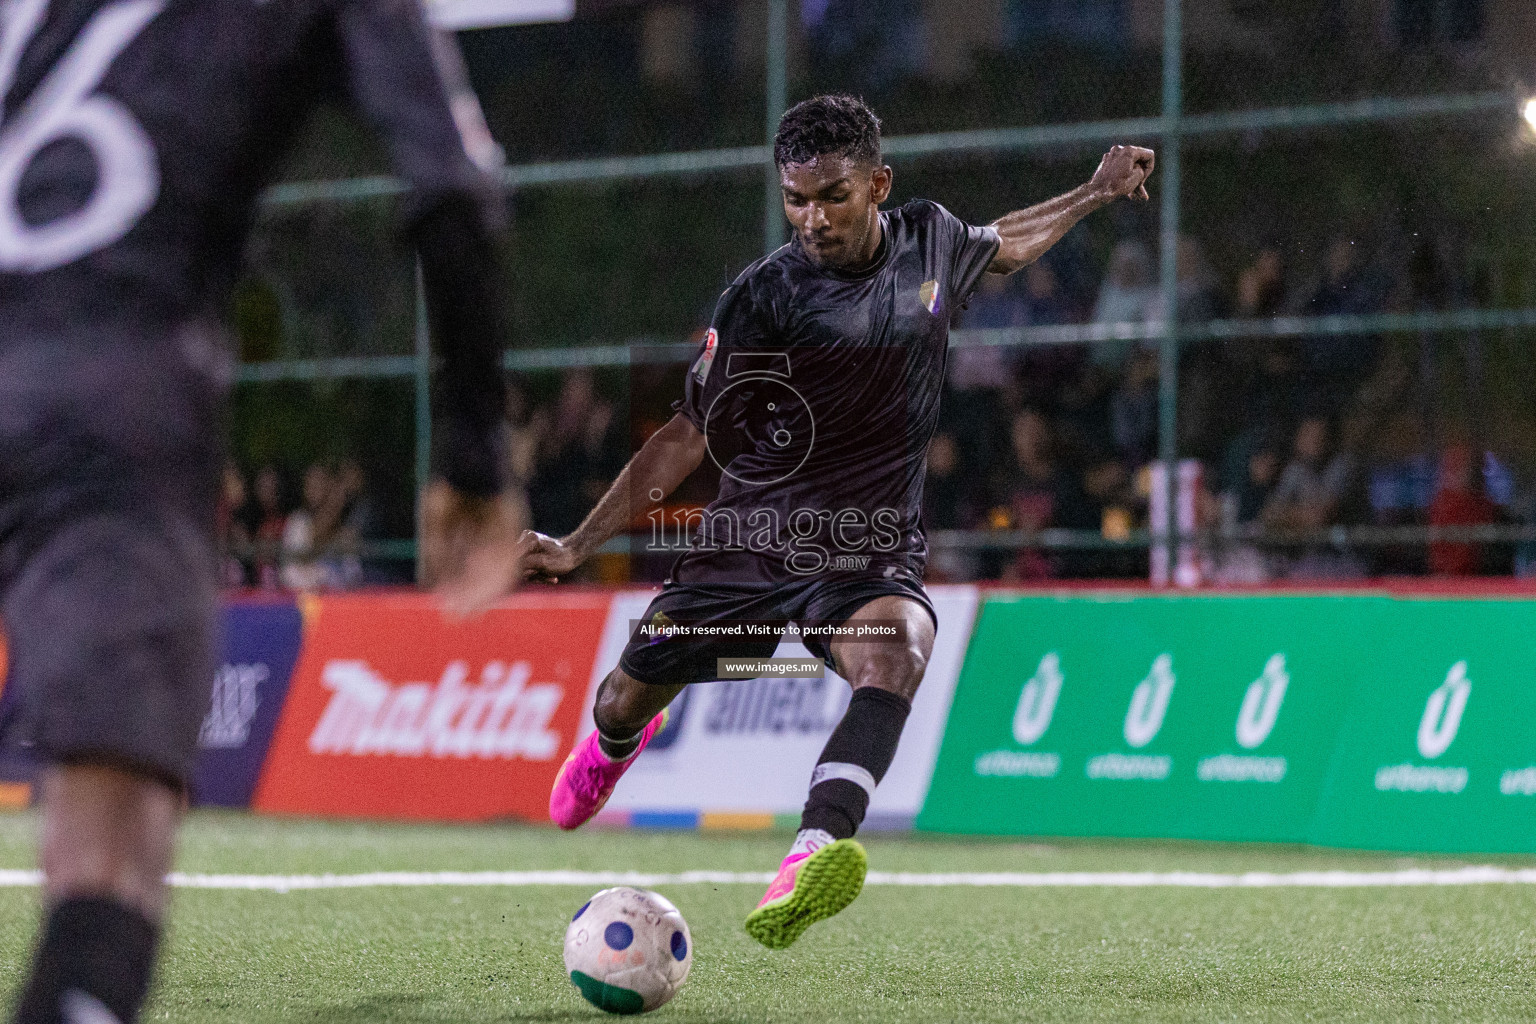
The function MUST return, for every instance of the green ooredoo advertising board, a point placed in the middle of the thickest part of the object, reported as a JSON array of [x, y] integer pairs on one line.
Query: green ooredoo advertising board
[[1344, 720], [1438, 750]]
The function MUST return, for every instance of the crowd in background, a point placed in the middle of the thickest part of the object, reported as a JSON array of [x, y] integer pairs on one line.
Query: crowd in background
[[315, 539], [1295, 435]]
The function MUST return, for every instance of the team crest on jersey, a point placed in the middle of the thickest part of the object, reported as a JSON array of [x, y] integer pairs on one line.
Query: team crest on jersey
[[928, 295], [707, 357]]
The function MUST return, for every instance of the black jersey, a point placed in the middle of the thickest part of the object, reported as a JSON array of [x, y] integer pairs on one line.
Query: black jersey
[[135, 136], [818, 392]]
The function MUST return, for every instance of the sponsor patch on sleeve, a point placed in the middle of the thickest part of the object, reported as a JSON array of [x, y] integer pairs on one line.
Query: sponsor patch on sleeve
[[707, 357]]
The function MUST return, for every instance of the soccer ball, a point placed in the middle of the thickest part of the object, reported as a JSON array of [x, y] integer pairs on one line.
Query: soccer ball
[[628, 950]]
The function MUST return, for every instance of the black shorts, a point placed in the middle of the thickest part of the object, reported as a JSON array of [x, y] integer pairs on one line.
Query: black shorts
[[825, 599], [109, 468]]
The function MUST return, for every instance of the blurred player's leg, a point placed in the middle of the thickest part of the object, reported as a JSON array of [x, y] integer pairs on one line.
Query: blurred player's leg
[[627, 713], [824, 870], [108, 839], [109, 461]]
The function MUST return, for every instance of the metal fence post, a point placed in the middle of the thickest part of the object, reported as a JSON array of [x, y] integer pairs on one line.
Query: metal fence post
[[423, 402], [777, 99], [1168, 356]]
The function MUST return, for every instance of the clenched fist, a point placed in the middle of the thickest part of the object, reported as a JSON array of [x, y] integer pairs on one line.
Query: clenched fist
[[547, 559], [1123, 172]]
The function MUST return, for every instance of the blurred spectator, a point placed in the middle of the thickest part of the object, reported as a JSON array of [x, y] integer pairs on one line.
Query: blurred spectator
[[997, 304], [1261, 285], [1044, 300], [271, 522], [1250, 485], [1225, 559], [1273, 402], [1333, 366], [1459, 501], [1206, 409], [1262, 372], [1129, 288], [1307, 498], [1111, 506], [234, 535], [1040, 494], [1046, 369], [579, 455], [945, 499], [1197, 285], [354, 525], [948, 505], [1126, 296], [308, 530], [1133, 409], [1400, 482], [1312, 485], [522, 436]]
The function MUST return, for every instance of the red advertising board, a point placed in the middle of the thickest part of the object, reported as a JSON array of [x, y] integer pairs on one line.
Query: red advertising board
[[394, 712]]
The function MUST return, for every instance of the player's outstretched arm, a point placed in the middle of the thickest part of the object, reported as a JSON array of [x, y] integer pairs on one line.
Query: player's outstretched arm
[[662, 463], [409, 80], [1024, 236]]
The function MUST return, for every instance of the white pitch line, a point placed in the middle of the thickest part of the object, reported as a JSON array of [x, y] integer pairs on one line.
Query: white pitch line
[[1410, 877]]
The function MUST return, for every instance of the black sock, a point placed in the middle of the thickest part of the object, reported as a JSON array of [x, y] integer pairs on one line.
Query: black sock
[[616, 743], [854, 761], [617, 749], [94, 952]]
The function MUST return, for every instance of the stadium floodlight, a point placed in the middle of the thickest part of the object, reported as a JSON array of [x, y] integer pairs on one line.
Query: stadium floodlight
[[457, 15], [1529, 111]]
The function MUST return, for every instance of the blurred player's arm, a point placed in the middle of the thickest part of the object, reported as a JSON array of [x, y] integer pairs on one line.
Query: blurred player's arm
[[409, 81], [1025, 235], [662, 463]]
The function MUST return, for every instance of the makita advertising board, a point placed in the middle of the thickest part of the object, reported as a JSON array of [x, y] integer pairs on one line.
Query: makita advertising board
[[396, 712], [749, 746], [1197, 716], [261, 644]]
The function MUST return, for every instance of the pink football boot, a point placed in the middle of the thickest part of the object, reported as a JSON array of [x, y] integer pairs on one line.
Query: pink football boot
[[809, 887], [587, 778]]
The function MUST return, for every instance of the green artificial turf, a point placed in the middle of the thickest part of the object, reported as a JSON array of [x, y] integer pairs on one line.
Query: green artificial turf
[[897, 954]]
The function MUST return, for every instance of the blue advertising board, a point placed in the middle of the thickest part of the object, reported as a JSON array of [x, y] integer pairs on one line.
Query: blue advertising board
[[261, 645]]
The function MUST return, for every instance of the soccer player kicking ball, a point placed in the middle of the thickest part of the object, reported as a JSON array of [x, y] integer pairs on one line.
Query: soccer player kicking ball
[[135, 136], [816, 393]]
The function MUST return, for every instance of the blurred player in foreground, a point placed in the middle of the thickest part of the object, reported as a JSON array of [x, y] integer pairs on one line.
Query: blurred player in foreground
[[134, 137], [816, 392]]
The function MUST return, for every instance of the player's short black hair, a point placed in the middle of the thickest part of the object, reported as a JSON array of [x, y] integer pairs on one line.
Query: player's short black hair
[[828, 126]]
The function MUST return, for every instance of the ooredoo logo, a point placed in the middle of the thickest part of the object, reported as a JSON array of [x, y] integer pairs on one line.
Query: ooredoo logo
[[1261, 704], [1443, 711], [1149, 703], [1037, 701], [504, 716]]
